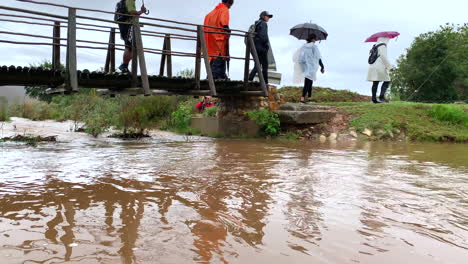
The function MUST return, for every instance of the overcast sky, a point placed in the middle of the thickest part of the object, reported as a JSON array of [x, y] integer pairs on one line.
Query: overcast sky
[[345, 54]]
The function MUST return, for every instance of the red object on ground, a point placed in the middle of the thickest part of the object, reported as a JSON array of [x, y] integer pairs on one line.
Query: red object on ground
[[201, 106], [385, 34]]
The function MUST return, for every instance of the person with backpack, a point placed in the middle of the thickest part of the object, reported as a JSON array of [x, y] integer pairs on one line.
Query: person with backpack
[[218, 44], [126, 30], [262, 44], [379, 70], [307, 61]]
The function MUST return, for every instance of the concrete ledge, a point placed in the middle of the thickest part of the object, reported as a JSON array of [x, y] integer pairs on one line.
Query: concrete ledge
[[304, 117], [300, 114], [214, 127]]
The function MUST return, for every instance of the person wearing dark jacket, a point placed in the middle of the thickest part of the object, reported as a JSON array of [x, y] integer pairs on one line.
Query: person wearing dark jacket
[[262, 44]]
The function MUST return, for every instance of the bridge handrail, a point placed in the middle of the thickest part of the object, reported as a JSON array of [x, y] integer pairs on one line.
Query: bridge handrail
[[140, 50], [114, 13]]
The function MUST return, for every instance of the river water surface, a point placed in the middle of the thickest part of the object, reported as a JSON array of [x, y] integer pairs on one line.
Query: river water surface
[[172, 199]]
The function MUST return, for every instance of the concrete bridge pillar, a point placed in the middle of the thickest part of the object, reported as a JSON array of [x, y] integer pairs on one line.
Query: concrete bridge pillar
[[234, 108]]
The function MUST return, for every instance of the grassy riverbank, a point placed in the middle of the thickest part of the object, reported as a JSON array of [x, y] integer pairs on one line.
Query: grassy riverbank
[[132, 116], [420, 122]]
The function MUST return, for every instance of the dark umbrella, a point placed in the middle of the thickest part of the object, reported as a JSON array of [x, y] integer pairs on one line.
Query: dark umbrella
[[302, 31]]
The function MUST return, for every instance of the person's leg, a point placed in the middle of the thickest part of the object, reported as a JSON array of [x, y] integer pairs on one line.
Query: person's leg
[[383, 91], [126, 34], [218, 67], [375, 86], [308, 84], [263, 57], [304, 91], [253, 73]]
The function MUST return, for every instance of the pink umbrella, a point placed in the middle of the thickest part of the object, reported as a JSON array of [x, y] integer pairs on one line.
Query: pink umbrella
[[385, 34]]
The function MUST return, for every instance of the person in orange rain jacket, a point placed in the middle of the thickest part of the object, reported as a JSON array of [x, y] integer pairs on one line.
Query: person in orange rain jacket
[[217, 44]]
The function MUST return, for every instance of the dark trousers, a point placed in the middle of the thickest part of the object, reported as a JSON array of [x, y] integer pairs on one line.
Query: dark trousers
[[263, 58], [307, 91], [375, 87], [218, 68]]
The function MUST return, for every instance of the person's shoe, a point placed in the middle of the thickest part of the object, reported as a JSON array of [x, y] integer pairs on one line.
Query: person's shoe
[[375, 101], [383, 100], [303, 102], [124, 69]]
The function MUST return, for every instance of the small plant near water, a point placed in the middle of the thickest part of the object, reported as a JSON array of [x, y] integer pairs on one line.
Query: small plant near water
[[450, 114], [267, 120], [179, 120], [210, 112], [4, 110], [29, 140]]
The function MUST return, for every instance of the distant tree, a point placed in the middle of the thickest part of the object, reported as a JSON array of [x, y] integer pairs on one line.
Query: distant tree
[[435, 68], [187, 73], [39, 92]]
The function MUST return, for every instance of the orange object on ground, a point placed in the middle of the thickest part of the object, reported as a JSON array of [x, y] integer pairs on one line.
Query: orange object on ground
[[217, 43]]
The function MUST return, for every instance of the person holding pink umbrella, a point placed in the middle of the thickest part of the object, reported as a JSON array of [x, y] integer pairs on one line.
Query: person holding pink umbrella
[[379, 65]]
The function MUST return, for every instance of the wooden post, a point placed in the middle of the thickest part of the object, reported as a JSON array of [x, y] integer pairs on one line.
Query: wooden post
[[206, 57], [169, 55], [258, 66], [198, 59], [134, 72], [141, 56], [110, 59], [56, 47], [247, 63], [72, 76], [163, 59]]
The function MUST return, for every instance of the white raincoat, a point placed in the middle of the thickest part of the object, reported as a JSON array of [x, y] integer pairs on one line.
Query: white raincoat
[[379, 71], [306, 63]]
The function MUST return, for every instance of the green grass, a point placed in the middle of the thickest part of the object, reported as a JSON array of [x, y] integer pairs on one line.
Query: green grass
[[421, 122], [322, 95]]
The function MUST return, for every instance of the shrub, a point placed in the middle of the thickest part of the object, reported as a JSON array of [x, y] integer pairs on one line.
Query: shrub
[[179, 120], [267, 120], [131, 116], [210, 112], [33, 110], [450, 114], [99, 116], [4, 109]]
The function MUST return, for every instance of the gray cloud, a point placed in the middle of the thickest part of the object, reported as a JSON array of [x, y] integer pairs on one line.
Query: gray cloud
[[345, 54]]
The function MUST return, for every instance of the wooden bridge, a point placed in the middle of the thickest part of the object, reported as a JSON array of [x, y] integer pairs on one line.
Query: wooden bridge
[[72, 80]]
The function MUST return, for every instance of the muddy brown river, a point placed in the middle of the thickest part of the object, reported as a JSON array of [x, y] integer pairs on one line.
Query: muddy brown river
[[174, 199]]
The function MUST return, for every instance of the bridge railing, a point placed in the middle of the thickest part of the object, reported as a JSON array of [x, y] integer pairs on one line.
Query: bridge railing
[[73, 22]]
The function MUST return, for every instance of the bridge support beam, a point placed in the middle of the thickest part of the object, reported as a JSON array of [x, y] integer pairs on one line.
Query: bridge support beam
[[56, 47], [110, 59], [141, 56]]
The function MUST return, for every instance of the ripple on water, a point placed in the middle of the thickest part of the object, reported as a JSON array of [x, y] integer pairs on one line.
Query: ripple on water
[[232, 201]]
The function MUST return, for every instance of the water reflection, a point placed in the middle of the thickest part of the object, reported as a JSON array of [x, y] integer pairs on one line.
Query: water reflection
[[232, 202]]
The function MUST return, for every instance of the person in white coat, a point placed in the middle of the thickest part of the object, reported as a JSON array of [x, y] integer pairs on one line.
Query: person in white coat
[[307, 61], [379, 71]]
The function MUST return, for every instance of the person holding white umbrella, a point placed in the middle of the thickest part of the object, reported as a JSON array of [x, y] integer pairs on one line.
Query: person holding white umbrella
[[379, 65], [308, 59]]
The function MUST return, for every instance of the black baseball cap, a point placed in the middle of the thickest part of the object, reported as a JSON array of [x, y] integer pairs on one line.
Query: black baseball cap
[[266, 13]]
